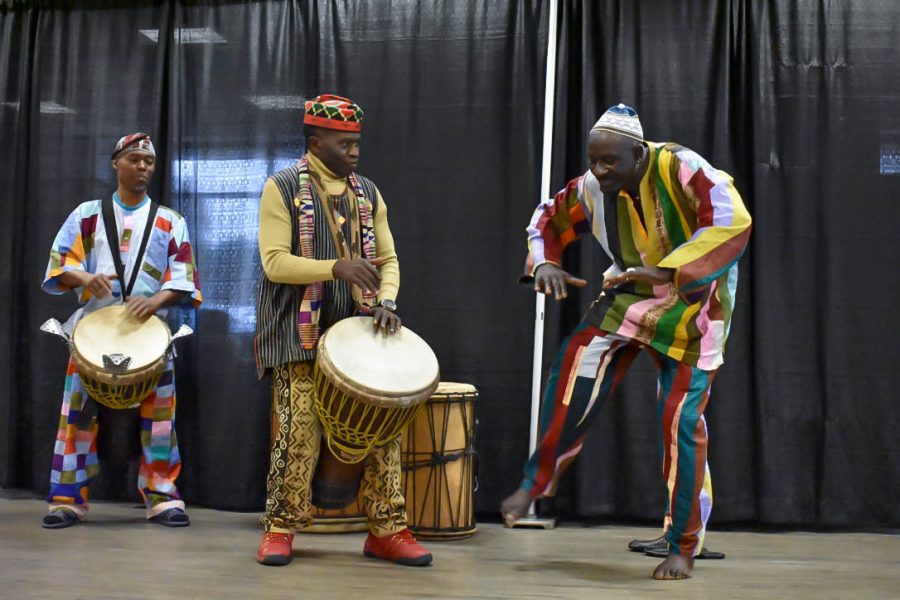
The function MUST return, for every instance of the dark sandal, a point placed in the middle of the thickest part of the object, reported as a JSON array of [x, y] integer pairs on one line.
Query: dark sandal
[[172, 517], [704, 553], [710, 555], [59, 518], [643, 545]]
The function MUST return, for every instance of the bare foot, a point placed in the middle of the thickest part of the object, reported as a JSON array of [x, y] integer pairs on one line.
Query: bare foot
[[675, 566], [515, 506]]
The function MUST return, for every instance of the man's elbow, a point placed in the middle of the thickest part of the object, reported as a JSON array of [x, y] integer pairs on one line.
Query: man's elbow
[[745, 225], [270, 266]]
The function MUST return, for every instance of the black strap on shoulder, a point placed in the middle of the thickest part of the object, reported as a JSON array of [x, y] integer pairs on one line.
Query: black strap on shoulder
[[112, 239], [139, 260]]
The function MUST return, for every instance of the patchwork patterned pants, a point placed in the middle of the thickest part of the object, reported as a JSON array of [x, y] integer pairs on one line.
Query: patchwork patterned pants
[[295, 452], [589, 366], [75, 453]]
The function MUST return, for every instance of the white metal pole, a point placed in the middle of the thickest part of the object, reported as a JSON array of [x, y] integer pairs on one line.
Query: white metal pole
[[546, 158]]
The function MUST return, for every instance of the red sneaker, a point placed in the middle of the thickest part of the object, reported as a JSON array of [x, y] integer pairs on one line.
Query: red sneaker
[[401, 548], [275, 549]]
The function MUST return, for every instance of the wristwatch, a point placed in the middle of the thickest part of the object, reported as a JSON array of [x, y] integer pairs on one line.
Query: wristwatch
[[388, 305]]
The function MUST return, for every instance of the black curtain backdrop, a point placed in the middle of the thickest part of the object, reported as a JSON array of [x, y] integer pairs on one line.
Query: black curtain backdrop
[[452, 122], [798, 100]]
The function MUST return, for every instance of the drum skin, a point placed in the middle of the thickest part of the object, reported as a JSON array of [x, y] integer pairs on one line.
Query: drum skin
[[439, 465], [391, 371]]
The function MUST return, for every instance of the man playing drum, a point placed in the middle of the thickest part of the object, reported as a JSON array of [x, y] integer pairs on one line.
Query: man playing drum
[[674, 228], [326, 250], [159, 269]]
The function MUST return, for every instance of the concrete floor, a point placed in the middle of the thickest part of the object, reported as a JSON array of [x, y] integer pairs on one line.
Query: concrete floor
[[118, 555]]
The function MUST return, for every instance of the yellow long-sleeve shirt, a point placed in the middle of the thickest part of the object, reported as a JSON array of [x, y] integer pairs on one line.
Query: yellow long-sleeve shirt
[[275, 229]]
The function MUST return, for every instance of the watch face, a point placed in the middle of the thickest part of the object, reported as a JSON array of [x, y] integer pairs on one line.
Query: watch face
[[389, 304]]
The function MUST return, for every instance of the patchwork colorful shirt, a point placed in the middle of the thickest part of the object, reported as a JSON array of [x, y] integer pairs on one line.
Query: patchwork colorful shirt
[[694, 222], [81, 244]]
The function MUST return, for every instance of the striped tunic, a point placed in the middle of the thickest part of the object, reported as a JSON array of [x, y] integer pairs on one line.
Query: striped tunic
[[277, 341], [696, 224]]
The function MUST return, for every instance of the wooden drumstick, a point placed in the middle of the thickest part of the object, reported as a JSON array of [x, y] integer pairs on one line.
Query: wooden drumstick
[[576, 281], [570, 280]]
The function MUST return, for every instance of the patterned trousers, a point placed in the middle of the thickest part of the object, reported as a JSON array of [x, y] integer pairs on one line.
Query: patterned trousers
[[75, 453], [589, 366], [295, 452]]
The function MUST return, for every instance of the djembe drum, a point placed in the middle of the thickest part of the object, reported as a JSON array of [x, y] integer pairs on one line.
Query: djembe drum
[[439, 465], [119, 357], [369, 386]]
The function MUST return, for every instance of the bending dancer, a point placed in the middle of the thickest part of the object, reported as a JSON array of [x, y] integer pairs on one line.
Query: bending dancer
[[674, 228]]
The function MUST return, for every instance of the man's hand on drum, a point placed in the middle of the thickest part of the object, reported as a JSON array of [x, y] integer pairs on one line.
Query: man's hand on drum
[[143, 307], [386, 321], [550, 279], [359, 272]]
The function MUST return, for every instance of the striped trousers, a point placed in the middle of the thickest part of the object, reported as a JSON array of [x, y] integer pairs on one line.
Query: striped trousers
[[587, 369], [75, 453]]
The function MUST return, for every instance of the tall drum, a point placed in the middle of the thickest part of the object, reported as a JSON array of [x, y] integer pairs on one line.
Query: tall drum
[[439, 465], [369, 386]]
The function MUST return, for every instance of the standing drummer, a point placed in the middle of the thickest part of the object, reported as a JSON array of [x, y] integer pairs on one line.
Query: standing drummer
[[153, 240], [327, 254]]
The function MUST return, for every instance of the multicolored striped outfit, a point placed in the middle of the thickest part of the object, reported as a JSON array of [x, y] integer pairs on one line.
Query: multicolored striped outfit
[[168, 264], [693, 222]]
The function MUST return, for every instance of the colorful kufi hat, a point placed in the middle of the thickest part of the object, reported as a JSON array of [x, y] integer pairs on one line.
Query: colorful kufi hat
[[621, 119], [132, 142], [333, 112]]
